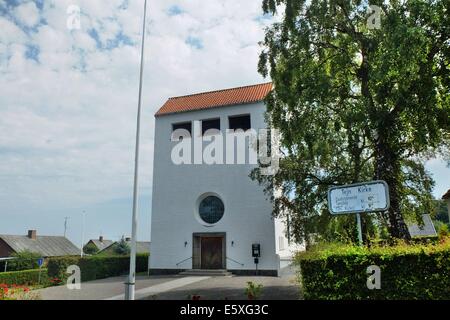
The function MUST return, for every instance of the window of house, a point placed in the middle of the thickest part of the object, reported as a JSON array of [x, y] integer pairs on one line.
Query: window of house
[[211, 209], [210, 124], [182, 125], [240, 122]]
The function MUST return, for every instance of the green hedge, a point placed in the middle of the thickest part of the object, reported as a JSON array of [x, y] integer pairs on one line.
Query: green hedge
[[26, 277], [24, 260], [407, 272], [95, 267]]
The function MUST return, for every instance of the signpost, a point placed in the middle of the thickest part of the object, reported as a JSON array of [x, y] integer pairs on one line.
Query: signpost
[[365, 197], [40, 264]]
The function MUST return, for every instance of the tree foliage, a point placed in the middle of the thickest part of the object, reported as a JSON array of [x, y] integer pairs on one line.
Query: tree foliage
[[122, 248], [442, 213], [90, 248], [24, 260], [356, 104]]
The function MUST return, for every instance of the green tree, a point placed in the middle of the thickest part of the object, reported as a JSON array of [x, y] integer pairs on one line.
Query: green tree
[[122, 248], [90, 248], [355, 104], [24, 260], [441, 212]]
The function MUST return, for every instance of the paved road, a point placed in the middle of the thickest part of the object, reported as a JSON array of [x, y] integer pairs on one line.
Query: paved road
[[233, 288], [99, 289], [180, 288]]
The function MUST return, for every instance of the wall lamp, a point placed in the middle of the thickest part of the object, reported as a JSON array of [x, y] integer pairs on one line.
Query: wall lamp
[[185, 244]]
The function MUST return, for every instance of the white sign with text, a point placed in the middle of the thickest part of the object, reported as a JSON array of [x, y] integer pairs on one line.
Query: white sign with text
[[370, 196]]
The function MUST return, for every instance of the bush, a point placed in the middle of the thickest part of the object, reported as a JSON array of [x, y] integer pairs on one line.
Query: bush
[[253, 291], [90, 248], [25, 260], [122, 248], [443, 232], [425, 240], [26, 277], [15, 292], [95, 267], [57, 267], [407, 272]]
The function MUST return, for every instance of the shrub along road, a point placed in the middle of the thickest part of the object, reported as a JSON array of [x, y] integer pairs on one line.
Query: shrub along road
[[337, 271]]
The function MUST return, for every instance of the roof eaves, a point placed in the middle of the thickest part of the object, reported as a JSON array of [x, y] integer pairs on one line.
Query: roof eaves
[[108, 246], [446, 195], [157, 115], [220, 90]]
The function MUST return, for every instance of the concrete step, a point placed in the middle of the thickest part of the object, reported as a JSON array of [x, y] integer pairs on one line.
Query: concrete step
[[210, 273]]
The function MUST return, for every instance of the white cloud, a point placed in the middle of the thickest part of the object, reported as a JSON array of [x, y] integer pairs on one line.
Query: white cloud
[[28, 14], [10, 33]]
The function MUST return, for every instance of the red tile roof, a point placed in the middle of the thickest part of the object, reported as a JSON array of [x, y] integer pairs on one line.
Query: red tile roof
[[447, 195], [213, 99]]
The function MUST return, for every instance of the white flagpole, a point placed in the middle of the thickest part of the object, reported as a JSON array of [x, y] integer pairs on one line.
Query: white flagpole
[[130, 285], [82, 232]]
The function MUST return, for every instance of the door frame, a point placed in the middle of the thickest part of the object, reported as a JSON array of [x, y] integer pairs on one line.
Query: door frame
[[197, 248]]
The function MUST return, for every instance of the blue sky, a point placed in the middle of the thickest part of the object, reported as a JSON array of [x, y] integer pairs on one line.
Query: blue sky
[[68, 101]]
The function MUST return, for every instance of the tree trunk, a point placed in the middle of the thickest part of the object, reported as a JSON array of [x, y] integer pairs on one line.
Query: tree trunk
[[397, 225], [388, 169]]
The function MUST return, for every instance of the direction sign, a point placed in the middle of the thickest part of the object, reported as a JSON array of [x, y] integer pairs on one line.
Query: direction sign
[[370, 196], [40, 262]]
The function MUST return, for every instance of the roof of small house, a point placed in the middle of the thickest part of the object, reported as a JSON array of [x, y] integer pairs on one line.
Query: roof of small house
[[428, 229], [47, 246], [214, 99], [446, 195], [101, 245], [141, 246]]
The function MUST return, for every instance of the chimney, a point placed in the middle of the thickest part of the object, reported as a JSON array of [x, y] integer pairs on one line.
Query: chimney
[[32, 234], [100, 238]]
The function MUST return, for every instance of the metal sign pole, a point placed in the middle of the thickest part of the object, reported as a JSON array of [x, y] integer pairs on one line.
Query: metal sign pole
[[40, 263], [358, 198], [358, 225], [39, 277]]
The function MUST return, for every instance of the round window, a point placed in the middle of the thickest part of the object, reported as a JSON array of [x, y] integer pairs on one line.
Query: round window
[[211, 209]]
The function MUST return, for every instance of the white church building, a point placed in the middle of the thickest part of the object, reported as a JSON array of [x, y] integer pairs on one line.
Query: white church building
[[212, 216]]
